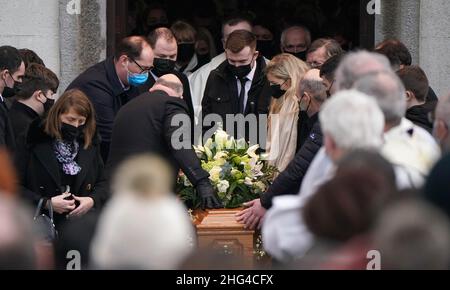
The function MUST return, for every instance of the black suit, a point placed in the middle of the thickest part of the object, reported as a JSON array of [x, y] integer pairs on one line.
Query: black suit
[[221, 94], [41, 175], [21, 117], [7, 138], [186, 89], [102, 85], [144, 126]]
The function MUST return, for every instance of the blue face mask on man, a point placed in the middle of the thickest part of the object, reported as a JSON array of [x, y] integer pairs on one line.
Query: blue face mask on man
[[137, 79]]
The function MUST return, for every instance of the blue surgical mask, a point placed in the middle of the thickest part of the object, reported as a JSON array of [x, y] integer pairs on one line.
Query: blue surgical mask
[[137, 79]]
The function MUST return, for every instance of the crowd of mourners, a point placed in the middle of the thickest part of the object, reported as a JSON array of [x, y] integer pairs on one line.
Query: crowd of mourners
[[360, 140]]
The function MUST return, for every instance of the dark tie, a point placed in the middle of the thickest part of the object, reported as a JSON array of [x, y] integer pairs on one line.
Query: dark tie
[[242, 95]]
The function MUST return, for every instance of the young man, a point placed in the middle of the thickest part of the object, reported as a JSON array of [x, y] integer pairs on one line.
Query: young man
[[34, 99], [12, 69], [239, 84], [416, 84]]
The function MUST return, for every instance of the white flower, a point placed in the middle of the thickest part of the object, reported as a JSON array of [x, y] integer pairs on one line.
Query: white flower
[[199, 150], [209, 153], [214, 174], [208, 144], [221, 155], [221, 139], [260, 186], [241, 144], [252, 152], [248, 181], [223, 186], [230, 145]]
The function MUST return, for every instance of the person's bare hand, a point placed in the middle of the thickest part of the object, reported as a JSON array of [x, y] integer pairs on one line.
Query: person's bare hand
[[252, 217], [86, 204], [60, 205]]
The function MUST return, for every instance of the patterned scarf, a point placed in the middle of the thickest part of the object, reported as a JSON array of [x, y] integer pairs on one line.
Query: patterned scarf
[[66, 154]]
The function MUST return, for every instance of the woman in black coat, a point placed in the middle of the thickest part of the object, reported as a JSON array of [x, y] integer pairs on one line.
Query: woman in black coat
[[60, 160]]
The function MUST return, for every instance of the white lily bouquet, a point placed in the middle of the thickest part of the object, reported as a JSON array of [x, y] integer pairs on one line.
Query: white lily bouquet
[[237, 172]]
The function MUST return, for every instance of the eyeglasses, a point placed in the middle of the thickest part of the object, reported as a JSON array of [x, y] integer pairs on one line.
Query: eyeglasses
[[143, 69]]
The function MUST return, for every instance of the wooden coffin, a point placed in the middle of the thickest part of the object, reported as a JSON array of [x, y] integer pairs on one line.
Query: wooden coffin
[[220, 233]]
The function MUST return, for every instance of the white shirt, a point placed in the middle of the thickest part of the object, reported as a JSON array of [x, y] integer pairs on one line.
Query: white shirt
[[285, 234], [1, 98], [413, 153], [248, 84]]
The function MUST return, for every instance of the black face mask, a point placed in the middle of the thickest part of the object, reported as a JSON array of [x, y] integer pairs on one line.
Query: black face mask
[[203, 59], [300, 55], [240, 71], [71, 133], [48, 104], [276, 91], [265, 48], [11, 92], [163, 66], [185, 52]]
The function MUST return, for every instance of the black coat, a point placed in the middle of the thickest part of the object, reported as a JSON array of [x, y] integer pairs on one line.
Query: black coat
[[290, 180], [21, 117], [144, 126], [7, 137], [186, 89], [419, 116], [102, 85], [40, 172], [221, 93]]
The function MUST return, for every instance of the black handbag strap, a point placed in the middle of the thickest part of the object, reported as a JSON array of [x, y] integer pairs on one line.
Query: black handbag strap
[[39, 208]]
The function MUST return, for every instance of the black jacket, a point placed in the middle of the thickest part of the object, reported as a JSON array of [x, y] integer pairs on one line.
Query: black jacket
[[40, 172], [144, 126], [102, 85], [221, 93], [419, 116], [7, 137], [290, 180], [21, 117], [186, 89]]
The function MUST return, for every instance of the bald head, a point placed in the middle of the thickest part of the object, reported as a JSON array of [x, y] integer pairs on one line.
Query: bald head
[[313, 75], [170, 84], [295, 39]]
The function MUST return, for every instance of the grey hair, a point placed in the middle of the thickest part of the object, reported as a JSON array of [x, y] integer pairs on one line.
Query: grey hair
[[315, 88], [357, 64], [177, 87], [353, 120], [389, 92], [296, 27]]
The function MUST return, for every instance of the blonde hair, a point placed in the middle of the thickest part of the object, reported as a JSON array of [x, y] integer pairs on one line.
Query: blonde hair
[[286, 67]]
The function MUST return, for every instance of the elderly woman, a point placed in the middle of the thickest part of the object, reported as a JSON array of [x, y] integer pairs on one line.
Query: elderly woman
[[61, 161], [284, 73]]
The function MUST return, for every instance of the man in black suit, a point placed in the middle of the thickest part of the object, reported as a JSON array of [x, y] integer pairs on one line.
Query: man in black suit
[[145, 125], [165, 48], [239, 85], [12, 70], [110, 84]]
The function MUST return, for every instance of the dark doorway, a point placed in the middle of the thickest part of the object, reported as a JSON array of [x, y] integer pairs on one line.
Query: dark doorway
[[345, 20]]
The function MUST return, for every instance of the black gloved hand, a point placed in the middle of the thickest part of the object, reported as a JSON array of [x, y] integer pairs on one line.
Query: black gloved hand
[[207, 194]]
